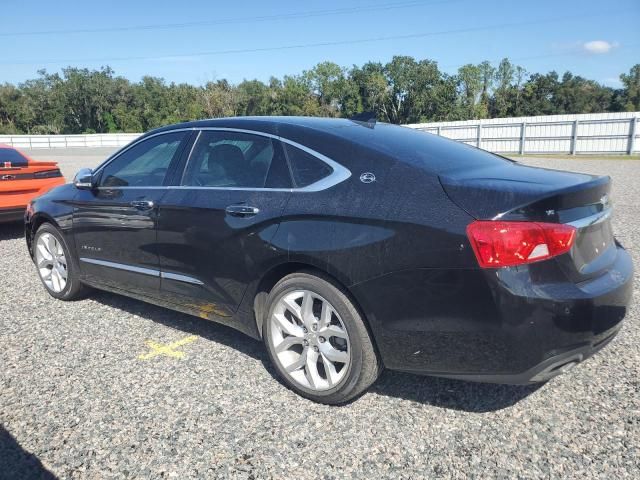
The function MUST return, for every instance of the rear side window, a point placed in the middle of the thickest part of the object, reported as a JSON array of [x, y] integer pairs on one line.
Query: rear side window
[[306, 168], [227, 159], [145, 164]]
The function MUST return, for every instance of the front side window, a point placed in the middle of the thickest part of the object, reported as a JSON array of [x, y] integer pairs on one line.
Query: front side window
[[145, 164], [236, 160]]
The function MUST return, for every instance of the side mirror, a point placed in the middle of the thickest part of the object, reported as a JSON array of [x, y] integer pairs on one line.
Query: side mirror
[[84, 179]]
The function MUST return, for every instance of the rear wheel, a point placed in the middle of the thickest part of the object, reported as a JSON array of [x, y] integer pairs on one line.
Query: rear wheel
[[318, 341], [56, 268]]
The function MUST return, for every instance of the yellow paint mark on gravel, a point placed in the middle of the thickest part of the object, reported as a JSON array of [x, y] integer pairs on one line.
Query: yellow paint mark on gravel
[[169, 350]]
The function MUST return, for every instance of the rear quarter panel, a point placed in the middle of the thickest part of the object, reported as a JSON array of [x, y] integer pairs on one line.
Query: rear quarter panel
[[397, 244]]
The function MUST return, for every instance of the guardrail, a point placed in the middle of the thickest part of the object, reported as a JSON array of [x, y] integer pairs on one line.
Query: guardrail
[[581, 135], [69, 141]]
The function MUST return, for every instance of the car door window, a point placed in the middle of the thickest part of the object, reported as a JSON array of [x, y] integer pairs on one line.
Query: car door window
[[236, 160], [145, 164], [306, 168]]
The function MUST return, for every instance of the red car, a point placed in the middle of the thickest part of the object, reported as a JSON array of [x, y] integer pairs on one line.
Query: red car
[[22, 179]]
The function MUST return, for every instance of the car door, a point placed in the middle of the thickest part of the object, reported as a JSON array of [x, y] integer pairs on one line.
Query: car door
[[114, 224], [214, 228]]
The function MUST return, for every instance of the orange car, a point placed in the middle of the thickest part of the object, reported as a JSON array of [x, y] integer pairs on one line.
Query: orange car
[[22, 179]]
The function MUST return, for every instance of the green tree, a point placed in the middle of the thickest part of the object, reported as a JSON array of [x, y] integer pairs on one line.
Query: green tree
[[631, 92], [502, 97], [470, 85], [404, 90]]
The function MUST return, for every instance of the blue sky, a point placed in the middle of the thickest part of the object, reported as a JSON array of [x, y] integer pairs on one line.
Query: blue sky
[[592, 38]]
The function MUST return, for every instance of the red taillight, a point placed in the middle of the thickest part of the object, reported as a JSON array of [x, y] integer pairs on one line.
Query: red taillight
[[503, 244]]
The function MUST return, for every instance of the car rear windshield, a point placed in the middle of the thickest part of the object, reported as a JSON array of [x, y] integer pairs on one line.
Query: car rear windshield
[[431, 152], [13, 156]]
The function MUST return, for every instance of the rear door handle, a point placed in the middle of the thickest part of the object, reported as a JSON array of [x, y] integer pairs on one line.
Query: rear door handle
[[142, 204], [242, 211]]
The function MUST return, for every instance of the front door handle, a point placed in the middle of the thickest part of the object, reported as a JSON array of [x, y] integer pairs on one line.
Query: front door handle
[[242, 211], [142, 204]]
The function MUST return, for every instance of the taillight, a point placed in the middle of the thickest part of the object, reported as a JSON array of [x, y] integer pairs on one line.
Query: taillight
[[503, 244], [48, 174]]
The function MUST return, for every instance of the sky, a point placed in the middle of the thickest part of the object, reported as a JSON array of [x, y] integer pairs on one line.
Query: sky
[[197, 41]]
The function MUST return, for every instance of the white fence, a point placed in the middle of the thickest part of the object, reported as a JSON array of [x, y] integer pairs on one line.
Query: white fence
[[67, 141], [570, 134]]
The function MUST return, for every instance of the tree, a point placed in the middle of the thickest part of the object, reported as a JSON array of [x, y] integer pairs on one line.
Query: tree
[[631, 93], [372, 87], [470, 85], [404, 90], [487, 73], [539, 94], [504, 76], [219, 99]]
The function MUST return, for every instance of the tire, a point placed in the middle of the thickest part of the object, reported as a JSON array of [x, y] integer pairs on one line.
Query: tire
[[61, 261], [330, 354]]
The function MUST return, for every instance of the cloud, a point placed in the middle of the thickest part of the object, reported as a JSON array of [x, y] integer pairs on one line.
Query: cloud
[[598, 47], [612, 82]]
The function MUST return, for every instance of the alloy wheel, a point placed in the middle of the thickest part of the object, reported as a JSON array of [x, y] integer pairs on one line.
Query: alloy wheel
[[309, 340], [51, 262]]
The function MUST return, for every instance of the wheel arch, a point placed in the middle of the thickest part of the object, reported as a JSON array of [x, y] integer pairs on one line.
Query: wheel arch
[[278, 272], [36, 222]]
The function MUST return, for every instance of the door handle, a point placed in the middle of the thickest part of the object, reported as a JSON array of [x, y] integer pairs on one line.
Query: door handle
[[142, 204], [241, 211]]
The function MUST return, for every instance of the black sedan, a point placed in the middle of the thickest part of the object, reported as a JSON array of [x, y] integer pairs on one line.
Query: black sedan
[[347, 247]]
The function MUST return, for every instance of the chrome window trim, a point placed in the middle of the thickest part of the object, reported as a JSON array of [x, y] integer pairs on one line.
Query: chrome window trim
[[145, 271], [338, 175], [594, 219]]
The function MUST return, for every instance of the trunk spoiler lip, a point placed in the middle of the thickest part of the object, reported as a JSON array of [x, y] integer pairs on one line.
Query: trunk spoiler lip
[[594, 219]]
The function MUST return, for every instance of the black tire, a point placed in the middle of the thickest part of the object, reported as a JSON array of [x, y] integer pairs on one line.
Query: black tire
[[74, 289], [364, 367]]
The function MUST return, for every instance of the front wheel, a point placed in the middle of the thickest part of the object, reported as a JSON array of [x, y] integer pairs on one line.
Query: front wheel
[[318, 341], [56, 268]]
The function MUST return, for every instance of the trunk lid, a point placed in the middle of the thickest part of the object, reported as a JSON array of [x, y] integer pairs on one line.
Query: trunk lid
[[517, 192]]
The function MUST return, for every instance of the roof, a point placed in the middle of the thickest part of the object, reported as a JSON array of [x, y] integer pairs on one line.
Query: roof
[[330, 136], [266, 123]]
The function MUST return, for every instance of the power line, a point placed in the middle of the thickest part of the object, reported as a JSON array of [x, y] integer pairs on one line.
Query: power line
[[236, 20], [318, 44]]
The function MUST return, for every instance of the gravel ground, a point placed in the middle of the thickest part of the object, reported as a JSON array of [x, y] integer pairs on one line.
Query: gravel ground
[[77, 402]]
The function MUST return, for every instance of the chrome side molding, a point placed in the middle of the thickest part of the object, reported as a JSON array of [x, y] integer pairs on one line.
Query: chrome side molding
[[144, 271]]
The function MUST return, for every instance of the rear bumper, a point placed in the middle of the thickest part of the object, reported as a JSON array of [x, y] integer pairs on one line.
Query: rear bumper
[[511, 325], [546, 369], [12, 214]]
